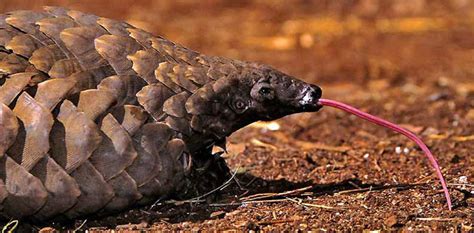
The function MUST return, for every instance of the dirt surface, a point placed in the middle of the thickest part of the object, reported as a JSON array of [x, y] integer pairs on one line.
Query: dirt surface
[[409, 61]]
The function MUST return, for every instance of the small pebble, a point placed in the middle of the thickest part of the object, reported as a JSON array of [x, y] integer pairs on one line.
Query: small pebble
[[406, 151], [443, 81], [430, 131], [438, 96], [398, 150], [391, 221], [273, 126]]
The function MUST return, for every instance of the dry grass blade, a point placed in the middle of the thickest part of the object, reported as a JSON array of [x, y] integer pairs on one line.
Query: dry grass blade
[[439, 219], [260, 196], [463, 138], [259, 143], [461, 184], [300, 202], [198, 199], [247, 202], [80, 226], [222, 186], [370, 189], [10, 226], [319, 146]]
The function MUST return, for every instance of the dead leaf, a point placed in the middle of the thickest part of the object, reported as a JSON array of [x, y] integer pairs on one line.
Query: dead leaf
[[438, 136], [463, 138], [319, 146], [217, 214], [259, 143], [413, 128]]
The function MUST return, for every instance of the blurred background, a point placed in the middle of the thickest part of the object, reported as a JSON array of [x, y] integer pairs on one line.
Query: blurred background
[[322, 40], [388, 53]]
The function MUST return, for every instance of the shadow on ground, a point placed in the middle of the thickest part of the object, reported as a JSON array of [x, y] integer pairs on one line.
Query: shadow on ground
[[217, 204]]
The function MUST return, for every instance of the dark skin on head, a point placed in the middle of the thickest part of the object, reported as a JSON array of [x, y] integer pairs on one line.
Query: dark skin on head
[[252, 93], [273, 94]]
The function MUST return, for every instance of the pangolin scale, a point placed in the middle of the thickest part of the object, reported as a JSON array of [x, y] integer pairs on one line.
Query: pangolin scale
[[97, 116]]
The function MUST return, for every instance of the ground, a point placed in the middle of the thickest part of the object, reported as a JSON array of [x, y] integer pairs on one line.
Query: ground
[[411, 62]]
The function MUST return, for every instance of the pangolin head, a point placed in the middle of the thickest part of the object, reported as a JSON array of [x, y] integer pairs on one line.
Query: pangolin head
[[251, 92], [269, 94]]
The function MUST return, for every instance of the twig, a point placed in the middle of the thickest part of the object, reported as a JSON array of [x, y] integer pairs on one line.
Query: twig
[[178, 202], [429, 177], [145, 212], [438, 219], [221, 187], [237, 181], [367, 194], [259, 196], [371, 188], [463, 138], [424, 179], [300, 202], [80, 226], [354, 184], [274, 201], [157, 202], [10, 227], [317, 169], [247, 202], [259, 143], [198, 198], [251, 181], [319, 146], [459, 184]]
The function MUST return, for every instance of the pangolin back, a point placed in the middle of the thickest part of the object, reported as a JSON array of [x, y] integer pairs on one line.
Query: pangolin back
[[92, 113]]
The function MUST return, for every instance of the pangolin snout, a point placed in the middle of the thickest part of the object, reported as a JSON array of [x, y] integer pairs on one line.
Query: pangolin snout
[[310, 97]]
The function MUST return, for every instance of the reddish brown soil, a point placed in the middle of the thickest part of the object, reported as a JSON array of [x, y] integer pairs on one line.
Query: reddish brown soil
[[408, 61]]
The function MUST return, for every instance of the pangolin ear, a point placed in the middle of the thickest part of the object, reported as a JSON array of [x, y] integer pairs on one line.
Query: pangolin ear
[[200, 102], [224, 85]]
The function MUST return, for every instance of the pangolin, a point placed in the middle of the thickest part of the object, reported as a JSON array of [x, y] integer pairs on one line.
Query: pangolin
[[97, 116]]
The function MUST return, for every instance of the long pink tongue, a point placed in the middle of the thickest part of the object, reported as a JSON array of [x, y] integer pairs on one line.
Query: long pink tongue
[[396, 128]]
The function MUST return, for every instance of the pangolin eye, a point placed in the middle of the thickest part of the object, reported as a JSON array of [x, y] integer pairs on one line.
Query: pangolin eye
[[262, 91], [265, 91]]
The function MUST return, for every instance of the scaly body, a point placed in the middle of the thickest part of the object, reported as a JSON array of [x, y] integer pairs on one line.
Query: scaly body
[[97, 115]]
